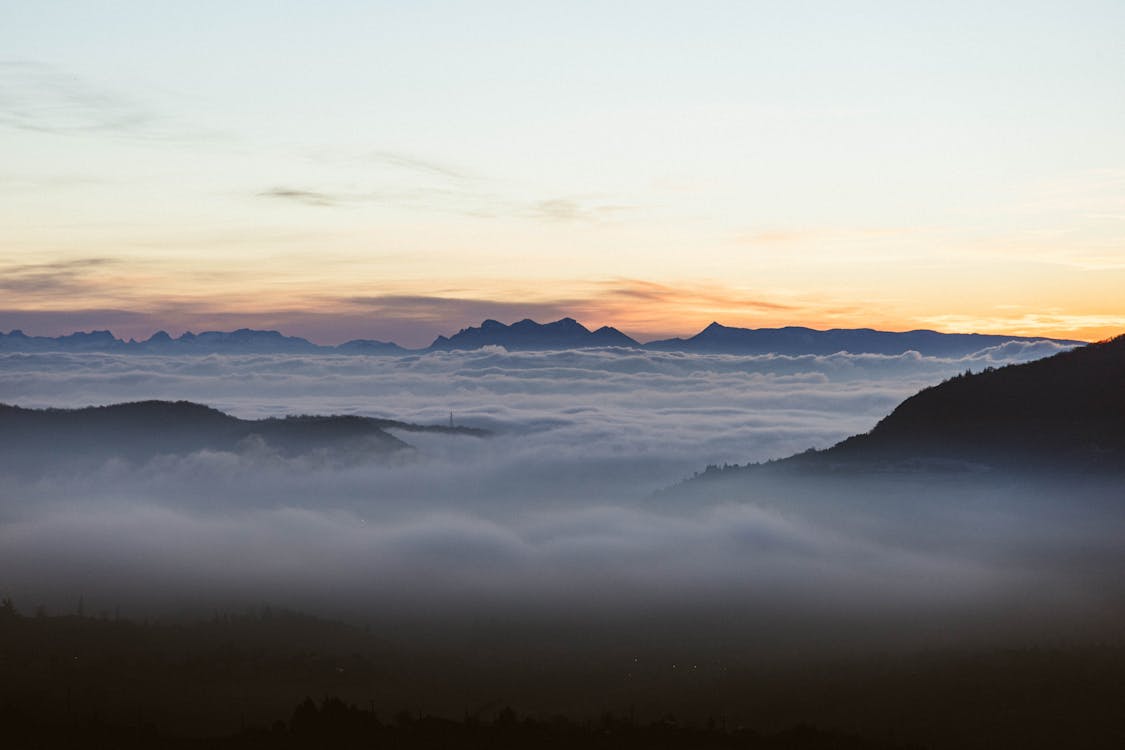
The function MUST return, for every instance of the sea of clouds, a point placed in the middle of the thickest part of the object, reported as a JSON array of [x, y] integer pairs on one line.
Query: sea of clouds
[[655, 417], [558, 511]]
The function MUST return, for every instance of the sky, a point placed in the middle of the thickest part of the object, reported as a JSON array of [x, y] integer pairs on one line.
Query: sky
[[345, 170]]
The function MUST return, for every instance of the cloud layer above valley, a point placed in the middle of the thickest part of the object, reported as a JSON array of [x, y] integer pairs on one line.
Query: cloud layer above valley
[[554, 513], [682, 410]]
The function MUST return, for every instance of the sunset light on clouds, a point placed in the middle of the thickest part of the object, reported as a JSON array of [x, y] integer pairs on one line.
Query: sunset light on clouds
[[604, 375], [400, 170]]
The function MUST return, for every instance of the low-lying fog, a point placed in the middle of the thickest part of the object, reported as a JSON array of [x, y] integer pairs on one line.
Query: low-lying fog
[[553, 520], [585, 426]]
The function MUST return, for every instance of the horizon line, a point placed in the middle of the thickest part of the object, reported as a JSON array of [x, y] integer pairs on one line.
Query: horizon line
[[659, 338]]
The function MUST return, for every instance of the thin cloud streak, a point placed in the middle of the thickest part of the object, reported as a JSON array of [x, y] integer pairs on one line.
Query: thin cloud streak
[[1052, 323], [789, 236], [441, 310], [457, 200], [415, 164], [308, 197], [687, 295], [38, 97], [41, 98], [49, 280], [573, 210]]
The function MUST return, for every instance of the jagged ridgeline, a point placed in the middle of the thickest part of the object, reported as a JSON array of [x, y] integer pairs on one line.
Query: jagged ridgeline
[[528, 335], [33, 439]]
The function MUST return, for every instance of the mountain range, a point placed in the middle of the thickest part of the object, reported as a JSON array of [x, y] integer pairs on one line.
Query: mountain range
[[527, 334], [243, 340], [796, 340]]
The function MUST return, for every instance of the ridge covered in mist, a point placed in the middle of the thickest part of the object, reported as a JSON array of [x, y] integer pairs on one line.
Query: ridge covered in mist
[[1066, 411], [528, 335], [143, 429]]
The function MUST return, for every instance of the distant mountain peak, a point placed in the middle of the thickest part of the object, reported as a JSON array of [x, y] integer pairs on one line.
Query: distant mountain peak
[[799, 340], [565, 333]]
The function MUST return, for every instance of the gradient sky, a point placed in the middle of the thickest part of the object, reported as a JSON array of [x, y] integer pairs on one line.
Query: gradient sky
[[397, 170]]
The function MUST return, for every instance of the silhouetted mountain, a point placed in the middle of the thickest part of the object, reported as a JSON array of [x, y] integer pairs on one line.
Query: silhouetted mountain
[[795, 340], [18, 341], [243, 340], [370, 346], [567, 333], [35, 438], [1065, 412]]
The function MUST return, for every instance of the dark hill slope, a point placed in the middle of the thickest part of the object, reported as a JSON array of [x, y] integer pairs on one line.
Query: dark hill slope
[[1063, 411], [1065, 414], [37, 438]]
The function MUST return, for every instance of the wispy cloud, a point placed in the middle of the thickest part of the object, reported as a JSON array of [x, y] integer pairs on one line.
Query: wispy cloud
[[1095, 246], [399, 163], [41, 98], [456, 200], [1087, 327], [19, 184], [426, 198], [415, 164], [307, 197], [418, 183], [438, 309], [793, 236], [50, 279], [694, 295], [571, 209]]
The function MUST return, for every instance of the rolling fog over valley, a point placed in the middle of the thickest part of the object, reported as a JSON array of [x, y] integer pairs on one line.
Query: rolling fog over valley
[[558, 376], [560, 507], [633, 419]]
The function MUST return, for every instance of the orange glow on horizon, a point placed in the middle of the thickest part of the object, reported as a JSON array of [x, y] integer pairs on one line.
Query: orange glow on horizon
[[645, 310]]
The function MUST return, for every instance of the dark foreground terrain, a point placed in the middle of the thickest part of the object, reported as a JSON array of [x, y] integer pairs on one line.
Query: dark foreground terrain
[[279, 679]]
